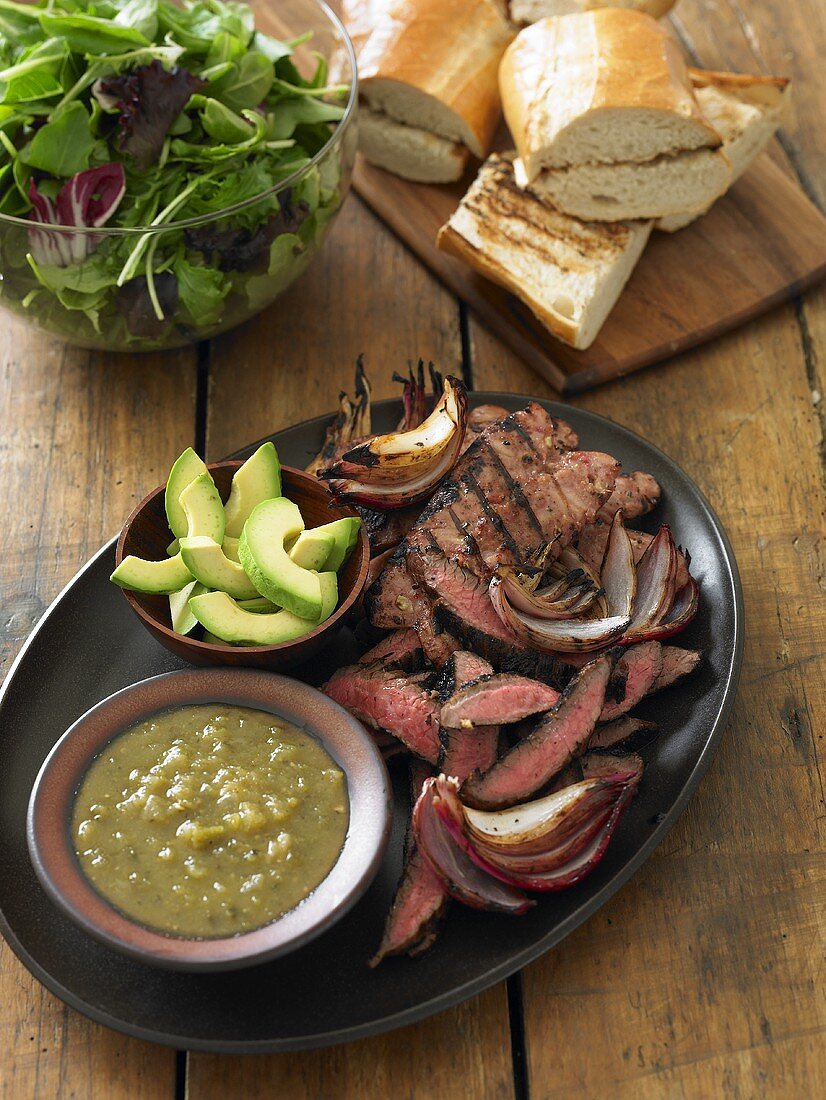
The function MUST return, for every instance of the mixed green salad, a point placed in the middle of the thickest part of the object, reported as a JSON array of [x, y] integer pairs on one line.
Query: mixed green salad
[[146, 113]]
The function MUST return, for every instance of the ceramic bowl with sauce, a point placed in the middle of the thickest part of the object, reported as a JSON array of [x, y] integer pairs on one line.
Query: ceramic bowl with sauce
[[146, 534], [74, 787]]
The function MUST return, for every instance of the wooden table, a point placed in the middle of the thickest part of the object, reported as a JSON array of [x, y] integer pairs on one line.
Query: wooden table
[[704, 976]]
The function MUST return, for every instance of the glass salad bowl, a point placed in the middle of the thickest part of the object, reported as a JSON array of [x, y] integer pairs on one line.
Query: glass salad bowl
[[167, 170]]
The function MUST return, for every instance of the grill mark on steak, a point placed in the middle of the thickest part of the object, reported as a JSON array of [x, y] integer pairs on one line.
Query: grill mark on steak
[[492, 514], [639, 667], [464, 750], [515, 489]]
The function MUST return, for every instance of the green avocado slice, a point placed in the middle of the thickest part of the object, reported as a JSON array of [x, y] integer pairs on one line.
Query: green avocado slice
[[311, 549], [153, 577], [259, 606], [204, 511], [208, 563], [269, 566], [230, 548], [184, 470], [222, 617], [183, 621], [257, 480], [345, 534]]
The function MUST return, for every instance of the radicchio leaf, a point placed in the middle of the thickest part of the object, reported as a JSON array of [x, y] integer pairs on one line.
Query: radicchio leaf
[[87, 200], [149, 99], [241, 249]]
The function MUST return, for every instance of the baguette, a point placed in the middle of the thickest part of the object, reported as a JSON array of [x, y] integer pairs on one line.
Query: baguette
[[568, 272], [746, 111], [524, 12], [407, 151], [605, 87], [433, 64]]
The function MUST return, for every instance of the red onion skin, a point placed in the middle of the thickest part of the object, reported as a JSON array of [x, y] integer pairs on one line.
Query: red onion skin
[[656, 573], [679, 616], [619, 556], [552, 641]]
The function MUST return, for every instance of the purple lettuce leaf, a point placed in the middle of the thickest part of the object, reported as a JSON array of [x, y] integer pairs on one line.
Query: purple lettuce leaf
[[242, 249], [149, 99]]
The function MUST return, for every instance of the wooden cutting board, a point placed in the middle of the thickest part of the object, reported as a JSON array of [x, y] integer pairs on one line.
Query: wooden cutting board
[[761, 244]]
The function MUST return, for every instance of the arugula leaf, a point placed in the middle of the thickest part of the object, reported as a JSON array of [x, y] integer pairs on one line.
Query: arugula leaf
[[295, 112], [223, 124], [247, 84], [62, 147]]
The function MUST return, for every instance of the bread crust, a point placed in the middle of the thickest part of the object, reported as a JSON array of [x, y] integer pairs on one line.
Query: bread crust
[[559, 71], [545, 8], [447, 49]]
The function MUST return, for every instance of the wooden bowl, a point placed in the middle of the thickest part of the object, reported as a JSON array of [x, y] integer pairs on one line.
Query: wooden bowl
[[147, 535], [52, 849]]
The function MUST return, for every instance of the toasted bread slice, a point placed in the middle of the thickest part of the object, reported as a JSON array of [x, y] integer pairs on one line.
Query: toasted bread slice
[[524, 12], [746, 111], [407, 151], [568, 272]]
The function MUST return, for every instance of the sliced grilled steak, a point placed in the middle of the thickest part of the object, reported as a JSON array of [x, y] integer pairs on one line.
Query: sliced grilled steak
[[465, 750], [633, 678], [559, 736], [386, 699], [420, 901], [401, 648], [498, 699], [386, 530], [601, 764], [620, 730], [677, 663]]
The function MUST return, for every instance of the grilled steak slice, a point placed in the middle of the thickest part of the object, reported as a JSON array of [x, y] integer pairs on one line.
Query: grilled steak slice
[[497, 699], [600, 764], [420, 901], [463, 668], [465, 750], [620, 730], [401, 648], [634, 676], [560, 735], [634, 495], [386, 699], [387, 529], [483, 416], [677, 663]]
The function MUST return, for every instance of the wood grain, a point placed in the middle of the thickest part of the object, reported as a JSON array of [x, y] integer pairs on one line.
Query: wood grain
[[761, 244], [84, 437], [363, 294]]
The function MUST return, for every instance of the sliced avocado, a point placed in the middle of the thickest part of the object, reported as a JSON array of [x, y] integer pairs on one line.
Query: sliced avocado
[[269, 566], [204, 511], [183, 621], [173, 548], [259, 606], [345, 533], [257, 480], [213, 639], [230, 548], [222, 618], [311, 549], [208, 563], [184, 470], [153, 577]]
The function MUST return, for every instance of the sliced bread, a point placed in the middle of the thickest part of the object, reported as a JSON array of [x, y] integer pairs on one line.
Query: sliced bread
[[568, 272], [602, 87], [433, 64], [525, 12], [746, 111], [407, 151]]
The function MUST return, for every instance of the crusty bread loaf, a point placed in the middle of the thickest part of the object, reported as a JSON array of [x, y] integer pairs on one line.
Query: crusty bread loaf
[[652, 189], [433, 64], [746, 111], [524, 12], [604, 87], [407, 151], [568, 272]]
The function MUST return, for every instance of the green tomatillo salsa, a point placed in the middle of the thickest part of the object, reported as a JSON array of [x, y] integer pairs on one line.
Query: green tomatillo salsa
[[210, 820]]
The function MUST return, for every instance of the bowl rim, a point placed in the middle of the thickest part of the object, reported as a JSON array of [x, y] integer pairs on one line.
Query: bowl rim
[[342, 610], [336, 137], [48, 819]]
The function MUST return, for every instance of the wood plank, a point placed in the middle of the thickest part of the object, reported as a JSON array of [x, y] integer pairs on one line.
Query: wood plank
[[705, 974], [85, 436], [761, 244], [364, 293]]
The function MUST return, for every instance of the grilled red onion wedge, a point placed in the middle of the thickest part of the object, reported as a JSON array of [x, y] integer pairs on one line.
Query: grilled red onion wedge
[[656, 576], [404, 465], [463, 880], [554, 635], [682, 610], [618, 574]]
